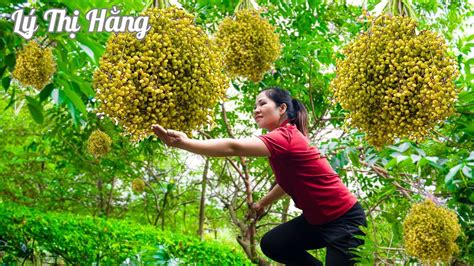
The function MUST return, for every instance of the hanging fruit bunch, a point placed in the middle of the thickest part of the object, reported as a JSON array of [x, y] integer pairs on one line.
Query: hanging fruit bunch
[[396, 81], [138, 185], [173, 77], [249, 43], [35, 65], [99, 143], [430, 232]]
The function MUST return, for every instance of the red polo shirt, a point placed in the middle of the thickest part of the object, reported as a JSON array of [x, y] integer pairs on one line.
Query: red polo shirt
[[306, 176]]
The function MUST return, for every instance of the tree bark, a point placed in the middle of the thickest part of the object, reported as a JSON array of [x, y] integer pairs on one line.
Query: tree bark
[[109, 206], [100, 202], [203, 200]]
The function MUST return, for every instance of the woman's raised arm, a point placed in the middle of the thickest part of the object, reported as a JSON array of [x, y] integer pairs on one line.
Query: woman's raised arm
[[213, 147]]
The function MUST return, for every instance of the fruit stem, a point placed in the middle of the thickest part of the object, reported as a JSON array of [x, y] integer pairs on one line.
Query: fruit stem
[[400, 8], [41, 43], [161, 4], [245, 4]]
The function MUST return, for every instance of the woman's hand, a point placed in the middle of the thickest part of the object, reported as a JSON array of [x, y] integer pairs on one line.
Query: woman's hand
[[170, 137], [258, 210]]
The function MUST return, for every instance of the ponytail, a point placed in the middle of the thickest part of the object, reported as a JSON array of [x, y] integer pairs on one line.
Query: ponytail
[[296, 112], [300, 118]]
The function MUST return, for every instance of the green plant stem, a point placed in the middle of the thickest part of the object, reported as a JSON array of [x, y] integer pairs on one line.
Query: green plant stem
[[244, 4], [161, 4], [400, 8]]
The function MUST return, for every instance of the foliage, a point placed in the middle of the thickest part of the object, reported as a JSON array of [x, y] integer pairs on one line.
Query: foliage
[[28, 232]]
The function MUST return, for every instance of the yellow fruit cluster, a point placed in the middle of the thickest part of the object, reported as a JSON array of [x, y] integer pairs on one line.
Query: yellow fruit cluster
[[249, 43], [99, 143], [34, 65], [430, 232], [396, 82], [172, 77], [138, 185]]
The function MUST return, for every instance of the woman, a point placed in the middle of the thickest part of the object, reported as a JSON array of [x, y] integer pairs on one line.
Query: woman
[[331, 214]]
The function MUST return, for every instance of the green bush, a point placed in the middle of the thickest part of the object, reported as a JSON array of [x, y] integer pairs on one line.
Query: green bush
[[86, 240]]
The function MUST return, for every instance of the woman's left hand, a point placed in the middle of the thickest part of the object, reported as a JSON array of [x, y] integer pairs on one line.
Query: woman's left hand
[[170, 137]]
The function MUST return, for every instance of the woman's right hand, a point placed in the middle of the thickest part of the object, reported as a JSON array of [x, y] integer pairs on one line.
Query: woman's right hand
[[170, 137], [259, 209]]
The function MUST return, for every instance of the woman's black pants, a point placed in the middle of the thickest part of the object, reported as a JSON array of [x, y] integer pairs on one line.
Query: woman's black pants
[[288, 242]]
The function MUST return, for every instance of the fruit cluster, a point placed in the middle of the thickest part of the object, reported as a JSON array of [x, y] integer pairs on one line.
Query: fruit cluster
[[172, 77], [138, 185], [99, 143], [430, 232], [249, 43], [396, 82], [34, 65]]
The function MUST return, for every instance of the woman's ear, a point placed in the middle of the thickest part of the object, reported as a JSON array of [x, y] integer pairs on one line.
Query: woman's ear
[[282, 108]]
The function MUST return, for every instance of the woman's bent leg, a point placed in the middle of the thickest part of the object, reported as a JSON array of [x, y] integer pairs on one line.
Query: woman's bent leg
[[339, 254], [288, 242], [339, 251]]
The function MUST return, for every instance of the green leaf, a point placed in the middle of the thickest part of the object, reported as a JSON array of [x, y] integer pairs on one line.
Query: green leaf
[[2, 71], [422, 162], [88, 51], [6, 83], [397, 229], [420, 152], [471, 156], [95, 48], [432, 159], [84, 87], [466, 97], [75, 99], [469, 62], [467, 171], [313, 4], [354, 159], [415, 158], [391, 163], [400, 157], [10, 60], [390, 217], [401, 148], [452, 172], [46, 92], [35, 109], [12, 99], [387, 191]]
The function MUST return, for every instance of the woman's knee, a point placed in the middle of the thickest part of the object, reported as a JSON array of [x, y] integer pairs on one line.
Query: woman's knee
[[267, 244], [273, 246]]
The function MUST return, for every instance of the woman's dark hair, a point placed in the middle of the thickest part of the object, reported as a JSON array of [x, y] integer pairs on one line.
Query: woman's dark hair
[[295, 109]]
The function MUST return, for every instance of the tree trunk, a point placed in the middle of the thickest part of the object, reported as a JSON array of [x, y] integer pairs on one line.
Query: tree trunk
[[165, 199], [109, 206], [101, 196], [203, 200]]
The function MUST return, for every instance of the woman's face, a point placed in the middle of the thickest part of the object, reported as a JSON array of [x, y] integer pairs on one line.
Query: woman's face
[[266, 114]]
